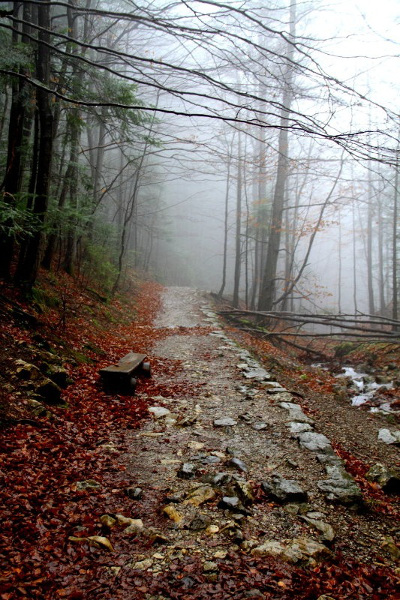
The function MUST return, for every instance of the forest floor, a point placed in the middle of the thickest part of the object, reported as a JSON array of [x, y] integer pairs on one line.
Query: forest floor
[[234, 472]]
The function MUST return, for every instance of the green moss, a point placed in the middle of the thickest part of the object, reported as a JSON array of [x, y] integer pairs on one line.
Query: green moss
[[344, 349], [95, 349], [80, 358], [44, 299]]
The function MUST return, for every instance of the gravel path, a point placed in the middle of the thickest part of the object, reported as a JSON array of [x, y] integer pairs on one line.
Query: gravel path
[[234, 463]]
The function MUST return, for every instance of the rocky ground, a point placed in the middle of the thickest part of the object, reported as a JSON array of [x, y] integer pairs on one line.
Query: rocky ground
[[235, 460]]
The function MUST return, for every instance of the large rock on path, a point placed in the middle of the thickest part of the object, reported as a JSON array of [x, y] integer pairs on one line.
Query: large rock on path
[[284, 490]]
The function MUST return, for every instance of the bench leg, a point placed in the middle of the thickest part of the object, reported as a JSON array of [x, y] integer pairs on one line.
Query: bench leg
[[146, 369]]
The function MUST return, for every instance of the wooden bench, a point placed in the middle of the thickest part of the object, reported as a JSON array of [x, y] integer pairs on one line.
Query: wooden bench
[[121, 374]]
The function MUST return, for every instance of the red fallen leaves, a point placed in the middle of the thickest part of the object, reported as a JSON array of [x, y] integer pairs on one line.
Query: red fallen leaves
[[239, 574], [383, 503], [39, 502]]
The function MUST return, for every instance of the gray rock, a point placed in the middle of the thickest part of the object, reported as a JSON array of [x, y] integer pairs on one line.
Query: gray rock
[[135, 493], [238, 464], [257, 374], [326, 530], [295, 412], [388, 479], [174, 498], [233, 504], [229, 503], [211, 460], [273, 387], [187, 471], [199, 523], [221, 479], [296, 427], [159, 411], [296, 550], [259, 426], [225, 422], [316, 442], [389, 437], [330, 460], [341, 487], [284, 490]]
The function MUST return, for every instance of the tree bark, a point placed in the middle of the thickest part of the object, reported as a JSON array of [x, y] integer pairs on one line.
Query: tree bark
[[395, 310], [269, 278], [11, 185], [28, 267], [225, 255], [238, 257]]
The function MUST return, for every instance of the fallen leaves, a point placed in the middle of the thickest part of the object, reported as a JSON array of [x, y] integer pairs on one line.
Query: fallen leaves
[[56, 480]]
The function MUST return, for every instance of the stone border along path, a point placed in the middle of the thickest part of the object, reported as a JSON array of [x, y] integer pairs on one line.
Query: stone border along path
[[340, 486], [216, 467]]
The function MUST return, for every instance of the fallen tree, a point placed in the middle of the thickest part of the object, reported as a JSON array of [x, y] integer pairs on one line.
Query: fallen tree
[[286, 326]]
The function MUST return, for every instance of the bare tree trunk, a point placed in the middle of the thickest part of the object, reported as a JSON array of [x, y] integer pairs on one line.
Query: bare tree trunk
[[371, 300], [269, 278], [225, 255], [354, 260], [394, 247], [238, 257], [382, 303], [340, 268], [129, 210]]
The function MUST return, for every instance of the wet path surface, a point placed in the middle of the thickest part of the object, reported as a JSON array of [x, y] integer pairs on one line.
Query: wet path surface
[[230, 462]]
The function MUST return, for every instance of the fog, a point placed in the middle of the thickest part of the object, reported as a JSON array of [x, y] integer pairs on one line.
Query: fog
[[354, 44]]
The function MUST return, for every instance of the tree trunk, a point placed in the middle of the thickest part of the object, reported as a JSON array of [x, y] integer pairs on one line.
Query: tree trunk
[[267, 294], [238, 257], [224, 263], [371, 300], [28, 267], [354, 260], [394, 248], [382, 303], [11, 185]]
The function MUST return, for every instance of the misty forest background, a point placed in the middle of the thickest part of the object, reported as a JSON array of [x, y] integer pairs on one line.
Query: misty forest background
[[249, 148]]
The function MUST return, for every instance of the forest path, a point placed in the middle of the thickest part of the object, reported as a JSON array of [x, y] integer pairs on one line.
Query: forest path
[[230, 462]]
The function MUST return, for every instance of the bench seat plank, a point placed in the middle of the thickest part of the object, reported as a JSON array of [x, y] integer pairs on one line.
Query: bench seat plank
[[126, 365]]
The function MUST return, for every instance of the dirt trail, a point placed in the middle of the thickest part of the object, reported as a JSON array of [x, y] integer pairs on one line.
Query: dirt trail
[[235, 464]]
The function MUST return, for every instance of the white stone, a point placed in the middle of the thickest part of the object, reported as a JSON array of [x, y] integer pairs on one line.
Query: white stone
[[389, 437], [159, 411]]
